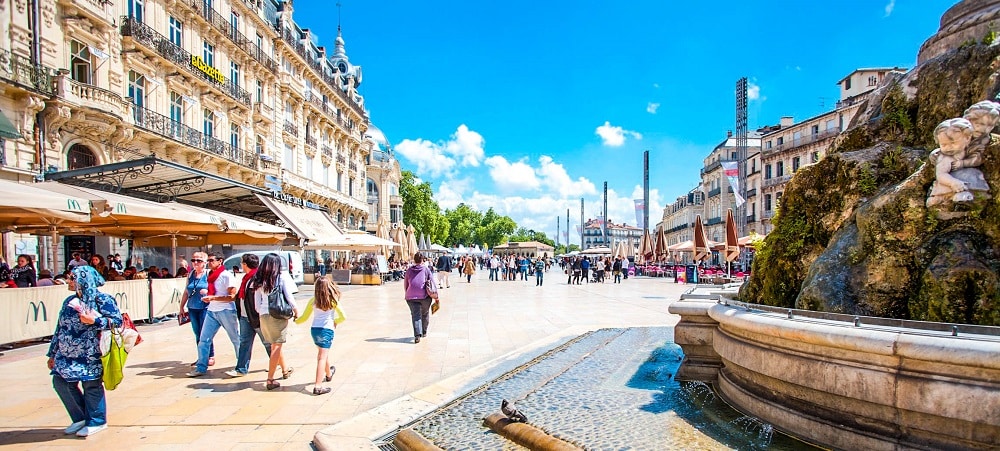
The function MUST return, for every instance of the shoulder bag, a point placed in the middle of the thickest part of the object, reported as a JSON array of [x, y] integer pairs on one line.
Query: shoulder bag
[[277, 306], [429, 287]]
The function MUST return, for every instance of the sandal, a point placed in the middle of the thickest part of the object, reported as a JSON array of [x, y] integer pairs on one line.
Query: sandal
[[286, 374], [321, 390], [329, 378], [272, 384]]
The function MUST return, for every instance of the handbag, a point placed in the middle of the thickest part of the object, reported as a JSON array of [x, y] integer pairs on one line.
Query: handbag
[[435, 306], [429, 287], [183, 318], [113, 362], [277, 306]]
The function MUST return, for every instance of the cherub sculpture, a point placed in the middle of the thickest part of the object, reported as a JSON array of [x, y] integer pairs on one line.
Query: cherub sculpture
[[955, 170]]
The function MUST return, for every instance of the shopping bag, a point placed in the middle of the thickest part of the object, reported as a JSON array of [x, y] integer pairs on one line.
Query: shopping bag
[[114, 360], [130, 333], [338, 315]]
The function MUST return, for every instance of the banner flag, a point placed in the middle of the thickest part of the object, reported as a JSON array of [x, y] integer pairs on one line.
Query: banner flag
[[732, 171], [640, 207]]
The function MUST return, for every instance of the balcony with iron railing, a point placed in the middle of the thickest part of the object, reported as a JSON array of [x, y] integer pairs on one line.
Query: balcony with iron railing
[[168, 128], [311, 141], [291, 128], [714, 192], [713, 166], [714, 221], [678, 228], [159, 44], [205, 11], [777, 181], [752, 218], [352, 166], [341, 159], [803, 140], [327, 109], [320, 189], [751, 192], [327, 152], [332, 82], [19, 70], [768, 214]]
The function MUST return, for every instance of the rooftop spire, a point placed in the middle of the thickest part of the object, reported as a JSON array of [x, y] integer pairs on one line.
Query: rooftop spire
[[338, 48]]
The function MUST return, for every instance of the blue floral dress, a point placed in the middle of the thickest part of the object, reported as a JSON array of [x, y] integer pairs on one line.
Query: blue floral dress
[[76, 347]]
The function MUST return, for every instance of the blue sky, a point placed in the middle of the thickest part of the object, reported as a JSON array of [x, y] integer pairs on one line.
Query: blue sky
[[527, 106]]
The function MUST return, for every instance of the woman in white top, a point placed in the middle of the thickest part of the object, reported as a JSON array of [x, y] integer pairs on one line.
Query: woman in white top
[[267, 278], [323, 325]]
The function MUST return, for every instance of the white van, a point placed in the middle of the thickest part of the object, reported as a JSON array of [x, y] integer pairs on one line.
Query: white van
[[291, 265]]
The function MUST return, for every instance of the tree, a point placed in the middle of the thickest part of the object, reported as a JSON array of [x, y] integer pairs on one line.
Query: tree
[[462, 223], [522, 234], [419, 208], [561, 249]]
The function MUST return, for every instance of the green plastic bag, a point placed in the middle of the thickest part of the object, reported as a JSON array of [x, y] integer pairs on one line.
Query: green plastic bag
[[114, 361]]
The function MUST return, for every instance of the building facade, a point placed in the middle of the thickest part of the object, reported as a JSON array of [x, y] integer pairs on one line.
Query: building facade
[[792, 146], [593, 235], [382, 185], [233, 93], [679, 216], [719, 196]]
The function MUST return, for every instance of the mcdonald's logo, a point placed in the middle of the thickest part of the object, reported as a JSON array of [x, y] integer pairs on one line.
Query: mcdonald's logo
[[74, 205], [121, 299], [121, 209], [36, 308]]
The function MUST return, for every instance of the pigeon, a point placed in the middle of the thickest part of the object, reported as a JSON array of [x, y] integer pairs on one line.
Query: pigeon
[[512, 413]]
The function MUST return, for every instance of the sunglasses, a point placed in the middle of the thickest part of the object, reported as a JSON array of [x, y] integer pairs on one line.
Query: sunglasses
[[211, 260], [197, 260]]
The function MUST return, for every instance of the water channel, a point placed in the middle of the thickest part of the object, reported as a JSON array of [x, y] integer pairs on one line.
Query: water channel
[[611, 389]]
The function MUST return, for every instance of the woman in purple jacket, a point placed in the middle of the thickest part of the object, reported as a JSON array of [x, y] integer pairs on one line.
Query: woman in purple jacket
[[417, 277]]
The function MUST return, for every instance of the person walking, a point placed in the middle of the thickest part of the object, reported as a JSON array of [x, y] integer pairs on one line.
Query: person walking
[[539, 271], [469, 268], [616, 270], [585, 269], [23, 273], [75, 351], [267, 279], [249, 320], [417, 283], [197, 286], [220, 312], [494, 268], [523, 266], [327, 295], [444, 269]]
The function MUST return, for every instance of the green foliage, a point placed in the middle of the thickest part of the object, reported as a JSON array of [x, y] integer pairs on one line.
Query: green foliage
[[562, 249], [463, 222], [990, 37], [867, 181], [419, 208], [896, 117], [522, 234], [893, 167], [494, 228]]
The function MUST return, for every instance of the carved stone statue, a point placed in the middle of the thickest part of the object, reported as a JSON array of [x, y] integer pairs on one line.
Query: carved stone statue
[[956, 175]]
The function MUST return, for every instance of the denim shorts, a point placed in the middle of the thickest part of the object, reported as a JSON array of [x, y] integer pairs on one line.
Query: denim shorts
[[322, 336]]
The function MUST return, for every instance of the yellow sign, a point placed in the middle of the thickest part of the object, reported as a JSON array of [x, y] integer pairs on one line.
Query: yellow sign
[[212, 72]]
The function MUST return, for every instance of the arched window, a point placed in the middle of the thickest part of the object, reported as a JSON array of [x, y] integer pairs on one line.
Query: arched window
[[372, 189], [340, 217], [80, 156], [350, 221]]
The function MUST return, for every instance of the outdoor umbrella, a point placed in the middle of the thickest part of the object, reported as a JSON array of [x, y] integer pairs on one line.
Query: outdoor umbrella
[[411, 241], [701, 244], [382, 231], [646, 250], [23, 206], [732, 250], [661, 244]]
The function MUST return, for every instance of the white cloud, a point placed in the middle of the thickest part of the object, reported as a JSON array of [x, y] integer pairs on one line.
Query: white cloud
[[753, 91], [889, 7], [651, 107], [466, 145], [656, 85], [554, 177], [613, 135], [429, 157], [512, 176], [437, 159]]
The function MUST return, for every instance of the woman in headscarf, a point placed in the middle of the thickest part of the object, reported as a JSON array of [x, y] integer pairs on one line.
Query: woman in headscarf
[[75, 351]]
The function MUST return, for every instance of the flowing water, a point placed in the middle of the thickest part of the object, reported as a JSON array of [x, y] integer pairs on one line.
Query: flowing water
[[612, 389]]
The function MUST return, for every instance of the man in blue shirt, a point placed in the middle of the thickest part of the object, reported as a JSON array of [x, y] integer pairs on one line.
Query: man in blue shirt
[[585, 268]]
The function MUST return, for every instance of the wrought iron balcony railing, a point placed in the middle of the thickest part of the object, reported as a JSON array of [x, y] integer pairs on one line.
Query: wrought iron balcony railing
[[226, 28], [714, 192], [752, 218], [328, 152], [169, 128], [714, 221], [291, 128], [19, 70], [751, 192], [158, 43], [311, 141], [341, 159], [353, 166]]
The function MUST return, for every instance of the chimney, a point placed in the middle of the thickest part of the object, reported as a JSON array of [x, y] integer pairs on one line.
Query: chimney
[[729, 133], [787, 121]]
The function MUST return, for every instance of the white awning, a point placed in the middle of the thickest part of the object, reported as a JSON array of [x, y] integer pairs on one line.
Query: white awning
[[307, 223]]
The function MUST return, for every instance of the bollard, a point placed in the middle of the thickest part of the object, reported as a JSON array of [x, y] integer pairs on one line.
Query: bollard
[[857, 321], [954, 331], [790, 314]]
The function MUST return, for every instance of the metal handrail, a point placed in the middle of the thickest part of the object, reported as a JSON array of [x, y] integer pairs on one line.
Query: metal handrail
[[155, 41], [861, 320], [169, 128], [226, 28], [20, 70]]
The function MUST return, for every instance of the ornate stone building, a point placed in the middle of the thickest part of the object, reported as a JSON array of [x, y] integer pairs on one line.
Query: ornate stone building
[[228, 104], [382, 185], [593, 235], [678, 218]]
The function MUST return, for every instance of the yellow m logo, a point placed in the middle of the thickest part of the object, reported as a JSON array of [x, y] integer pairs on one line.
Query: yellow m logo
[[36, 308]]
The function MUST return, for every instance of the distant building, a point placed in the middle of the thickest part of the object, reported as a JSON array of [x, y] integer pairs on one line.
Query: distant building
[[719, 196], [593, 235], [678, 218], [791, 146], [532, 249]]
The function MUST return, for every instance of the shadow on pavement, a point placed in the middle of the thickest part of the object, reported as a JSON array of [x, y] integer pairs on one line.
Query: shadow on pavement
[[33, 436], [390, 340]]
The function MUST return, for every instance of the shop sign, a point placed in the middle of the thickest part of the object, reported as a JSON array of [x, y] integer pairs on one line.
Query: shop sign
[[212, 72]]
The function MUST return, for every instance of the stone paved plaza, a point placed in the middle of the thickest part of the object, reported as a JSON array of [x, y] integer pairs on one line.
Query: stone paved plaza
[[382, 379]]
